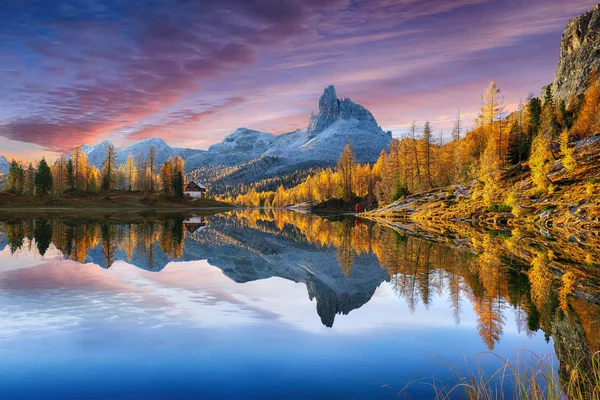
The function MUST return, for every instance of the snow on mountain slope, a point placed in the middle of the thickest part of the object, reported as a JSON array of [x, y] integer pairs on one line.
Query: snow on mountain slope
[[4, 165], [337, 123], [97, 153], [239, 147], [244, 140], [367, 142]]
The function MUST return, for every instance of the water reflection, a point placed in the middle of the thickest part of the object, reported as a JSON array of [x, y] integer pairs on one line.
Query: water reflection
[[342, 262]]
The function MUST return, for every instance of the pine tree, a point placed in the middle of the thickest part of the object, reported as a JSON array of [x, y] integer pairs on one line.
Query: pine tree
[[519, 143], [568, 160], [122, 177], [150, 166], [492, 107], [131, 172], [456, 131], [345, 168], [489, 172], [588, 122], [490, 168], [43, 179], [59, 174], [109, 169], [92, 183], [166, 174], [548, 97], [541, 161], [15, 180], [549, 122], [427, 139], [29, 187], [70, 174], [80, 168], [534, 107], [179, 166], [178, 185], [413, 138]]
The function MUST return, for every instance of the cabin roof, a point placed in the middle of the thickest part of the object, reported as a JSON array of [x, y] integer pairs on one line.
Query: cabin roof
[[201, 186]]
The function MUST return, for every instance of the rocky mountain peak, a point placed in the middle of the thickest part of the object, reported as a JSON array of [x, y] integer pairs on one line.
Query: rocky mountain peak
[[580, 55], [331, 109]]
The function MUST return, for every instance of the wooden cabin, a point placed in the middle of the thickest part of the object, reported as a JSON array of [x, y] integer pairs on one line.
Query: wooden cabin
[[196, 189]]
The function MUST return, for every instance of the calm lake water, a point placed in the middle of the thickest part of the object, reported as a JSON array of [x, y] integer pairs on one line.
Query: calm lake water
[[246, 305]]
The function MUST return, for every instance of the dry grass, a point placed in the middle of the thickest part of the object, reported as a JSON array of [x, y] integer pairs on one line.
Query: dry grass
[[529, 376], [113, 200]]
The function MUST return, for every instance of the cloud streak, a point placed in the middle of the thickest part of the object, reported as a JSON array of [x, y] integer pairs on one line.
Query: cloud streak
[[85, 70]]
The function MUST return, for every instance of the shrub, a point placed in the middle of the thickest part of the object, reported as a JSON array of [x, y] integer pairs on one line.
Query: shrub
[[400, 191], [499, 208], [512, 201]]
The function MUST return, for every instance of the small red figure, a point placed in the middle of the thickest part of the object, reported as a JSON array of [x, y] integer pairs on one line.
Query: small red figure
[[357, 207]]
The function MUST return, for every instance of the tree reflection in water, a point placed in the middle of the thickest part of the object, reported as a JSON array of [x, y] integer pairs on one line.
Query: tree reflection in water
[[494, 272]]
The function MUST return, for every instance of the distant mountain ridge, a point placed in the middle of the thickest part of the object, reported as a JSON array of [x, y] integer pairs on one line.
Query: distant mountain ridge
[[257, 155], [97, 153]]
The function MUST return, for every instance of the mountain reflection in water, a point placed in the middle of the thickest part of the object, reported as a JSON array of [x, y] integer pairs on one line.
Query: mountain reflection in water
[[342, 262]]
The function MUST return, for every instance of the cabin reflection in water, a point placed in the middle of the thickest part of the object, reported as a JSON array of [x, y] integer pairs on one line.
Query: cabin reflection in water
[[195, 224]]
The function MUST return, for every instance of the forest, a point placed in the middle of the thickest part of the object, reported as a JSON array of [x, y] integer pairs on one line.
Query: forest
[[73, 173]]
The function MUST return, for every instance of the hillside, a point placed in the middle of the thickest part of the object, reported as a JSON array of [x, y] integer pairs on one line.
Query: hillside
[[575, 201]]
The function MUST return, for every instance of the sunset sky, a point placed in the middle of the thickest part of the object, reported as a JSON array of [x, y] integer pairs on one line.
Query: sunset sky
[[82, 71]]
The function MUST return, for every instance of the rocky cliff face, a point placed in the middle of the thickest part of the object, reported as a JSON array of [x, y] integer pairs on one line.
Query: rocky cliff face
[[580, 55], [331, 109]]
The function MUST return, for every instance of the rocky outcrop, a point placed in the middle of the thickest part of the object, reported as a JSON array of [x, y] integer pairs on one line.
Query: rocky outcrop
[[579, 55], [331, 109]]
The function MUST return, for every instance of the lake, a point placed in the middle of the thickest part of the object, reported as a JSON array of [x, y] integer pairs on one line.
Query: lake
[[263, 305]]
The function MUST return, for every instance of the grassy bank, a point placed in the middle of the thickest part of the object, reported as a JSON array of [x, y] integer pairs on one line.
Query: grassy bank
[[528, 376], [114, 200]]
